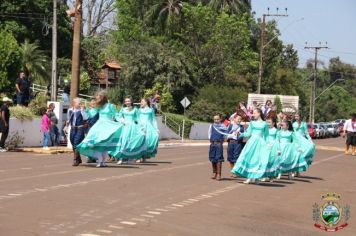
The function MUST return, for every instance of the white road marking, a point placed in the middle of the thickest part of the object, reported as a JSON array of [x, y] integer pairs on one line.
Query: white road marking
[[81, 183], [327, 159], [88, 235], [104, 231], [177, 205], [159, 209], [193, 200], [148, 216], [26, 168], [115, 227], [154, 212], [14, 194], [128, 223]]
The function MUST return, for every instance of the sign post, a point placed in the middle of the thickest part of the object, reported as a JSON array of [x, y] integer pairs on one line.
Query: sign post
[[185, 103]]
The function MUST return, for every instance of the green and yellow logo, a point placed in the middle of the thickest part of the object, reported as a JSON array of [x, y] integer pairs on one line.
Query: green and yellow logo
[[330, 216]]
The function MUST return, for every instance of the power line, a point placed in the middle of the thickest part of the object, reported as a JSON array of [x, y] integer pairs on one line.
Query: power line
[[312, 98], [263, 25]]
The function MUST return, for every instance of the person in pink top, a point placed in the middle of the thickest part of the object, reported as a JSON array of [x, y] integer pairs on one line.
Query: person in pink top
[[45, 127]]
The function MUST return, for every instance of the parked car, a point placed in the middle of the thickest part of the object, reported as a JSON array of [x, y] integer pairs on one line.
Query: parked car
[[328, 134], [336, 128], [311, 130], [331, 130], [338, 121], [319, 131]]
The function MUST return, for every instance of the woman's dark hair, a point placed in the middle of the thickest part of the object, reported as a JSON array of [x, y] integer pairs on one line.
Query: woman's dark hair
[[128, 97], [274, 120], [268, 101], [261, 113], [147, 101], [289, 124]]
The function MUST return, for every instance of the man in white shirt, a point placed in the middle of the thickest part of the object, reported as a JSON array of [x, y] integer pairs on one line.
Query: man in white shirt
[[350, 132]]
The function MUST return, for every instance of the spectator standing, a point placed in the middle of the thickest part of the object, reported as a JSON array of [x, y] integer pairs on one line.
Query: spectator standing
[[45, 128], [66, 92], [22, 90], [54, 131], [4, 122], [350, 132]]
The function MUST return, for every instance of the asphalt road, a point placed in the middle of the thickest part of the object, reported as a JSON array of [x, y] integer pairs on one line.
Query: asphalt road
[[170, 195]]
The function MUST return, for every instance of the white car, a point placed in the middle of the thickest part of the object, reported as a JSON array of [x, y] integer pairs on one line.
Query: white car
[[319, 131], [331, 130]]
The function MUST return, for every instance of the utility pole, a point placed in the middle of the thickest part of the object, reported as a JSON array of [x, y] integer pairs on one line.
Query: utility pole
[[313, 87], [74, 88], [262, 38], [54, 53]]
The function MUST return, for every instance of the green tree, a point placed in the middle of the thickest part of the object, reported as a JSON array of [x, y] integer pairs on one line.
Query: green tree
[[277, 102], [166, 14], [231, 6], [31, 19], [9, 58], [35, 62], [334, 104]]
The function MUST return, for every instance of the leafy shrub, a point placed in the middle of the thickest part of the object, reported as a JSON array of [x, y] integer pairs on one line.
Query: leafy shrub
[[22, 113], [278, 104], [203, 110], [115, 95], [38, 104], [166, 101]]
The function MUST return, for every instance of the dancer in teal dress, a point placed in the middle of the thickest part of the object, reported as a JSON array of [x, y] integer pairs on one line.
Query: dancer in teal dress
[[253, 161], [292, 159], [132, 142], [303, 140], [105, 134], [93, 118], [273, 146], [147, 120]]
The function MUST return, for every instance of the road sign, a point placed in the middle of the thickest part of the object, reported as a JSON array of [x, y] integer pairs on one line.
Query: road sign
[[185, 102]]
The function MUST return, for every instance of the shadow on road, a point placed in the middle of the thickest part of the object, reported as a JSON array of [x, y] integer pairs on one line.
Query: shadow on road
[[264, 184], [310, 177], [157, 162], [113, 166], [283, 182]]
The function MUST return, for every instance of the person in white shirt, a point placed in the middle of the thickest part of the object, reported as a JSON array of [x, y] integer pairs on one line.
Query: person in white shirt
[[350, 132]]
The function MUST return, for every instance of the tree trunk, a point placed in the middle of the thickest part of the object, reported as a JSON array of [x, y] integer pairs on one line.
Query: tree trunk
[[74, 89]]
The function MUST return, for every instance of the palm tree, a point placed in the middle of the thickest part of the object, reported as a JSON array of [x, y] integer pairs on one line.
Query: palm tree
[[34, 61], [231, 6], [166, 12]]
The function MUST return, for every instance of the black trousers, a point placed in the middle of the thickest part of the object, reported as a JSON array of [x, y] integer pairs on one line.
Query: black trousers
[[4, 134]]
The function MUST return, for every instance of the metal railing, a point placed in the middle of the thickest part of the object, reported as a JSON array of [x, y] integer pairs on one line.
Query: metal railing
[[174, 126], [41, 88]]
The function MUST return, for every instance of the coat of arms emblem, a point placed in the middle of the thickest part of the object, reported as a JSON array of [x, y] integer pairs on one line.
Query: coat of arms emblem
[[331, 216]]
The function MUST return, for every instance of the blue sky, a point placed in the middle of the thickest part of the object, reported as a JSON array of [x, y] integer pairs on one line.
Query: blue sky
[[315, 21]]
